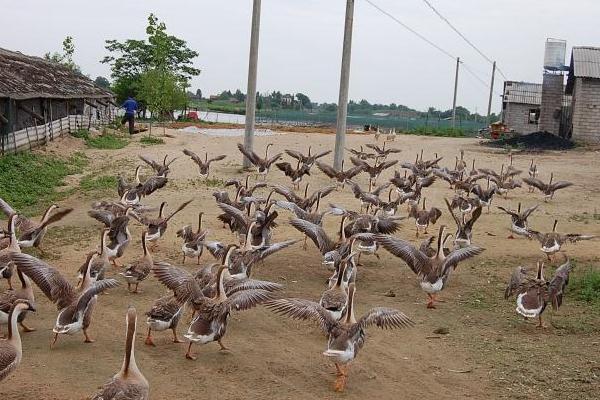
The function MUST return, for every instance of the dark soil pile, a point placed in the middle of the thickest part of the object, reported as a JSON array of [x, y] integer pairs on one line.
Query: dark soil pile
[[533, 141]]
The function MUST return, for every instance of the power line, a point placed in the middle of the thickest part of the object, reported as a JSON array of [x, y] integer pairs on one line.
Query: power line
[[459, 33]]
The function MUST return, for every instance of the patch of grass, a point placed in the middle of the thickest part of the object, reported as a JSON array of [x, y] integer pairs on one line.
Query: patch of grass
[[81, 134], [107, 142], [151, 140], [437, 131], [105, 183], [214, 182], [30, 181], [585, 286]]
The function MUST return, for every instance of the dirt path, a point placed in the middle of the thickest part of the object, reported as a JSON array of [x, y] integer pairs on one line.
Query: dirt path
[[489, 352]]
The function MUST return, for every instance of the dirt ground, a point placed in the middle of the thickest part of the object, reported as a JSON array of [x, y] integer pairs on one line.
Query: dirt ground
[[488, 352]]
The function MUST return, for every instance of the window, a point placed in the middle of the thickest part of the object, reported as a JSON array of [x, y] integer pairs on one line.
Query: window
[[534, 115]]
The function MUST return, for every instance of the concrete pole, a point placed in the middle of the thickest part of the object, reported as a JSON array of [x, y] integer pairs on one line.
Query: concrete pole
[[252, 73], [491, 92], [455, 89], [342, 112]]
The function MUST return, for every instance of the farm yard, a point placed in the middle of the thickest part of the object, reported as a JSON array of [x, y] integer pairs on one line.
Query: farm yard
[[472, 345]]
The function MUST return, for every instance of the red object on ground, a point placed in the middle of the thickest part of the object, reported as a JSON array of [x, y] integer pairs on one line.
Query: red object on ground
[[193, 115]]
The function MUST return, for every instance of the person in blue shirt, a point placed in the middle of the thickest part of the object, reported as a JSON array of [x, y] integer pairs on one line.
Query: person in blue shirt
[[130, 106]]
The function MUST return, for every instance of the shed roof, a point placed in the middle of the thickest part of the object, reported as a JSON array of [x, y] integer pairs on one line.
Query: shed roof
[[24, 77], [585, 63], [522, 92]]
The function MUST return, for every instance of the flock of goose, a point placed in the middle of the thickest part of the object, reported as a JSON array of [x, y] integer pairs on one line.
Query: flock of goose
[[217, 289]]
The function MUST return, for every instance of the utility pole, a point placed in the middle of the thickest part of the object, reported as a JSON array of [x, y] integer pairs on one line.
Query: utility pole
[[455, 89], [342, 111], [252, 73], [491, 92]]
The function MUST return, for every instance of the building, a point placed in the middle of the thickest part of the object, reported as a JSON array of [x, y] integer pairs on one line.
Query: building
[[521, 102], [41, 100], [583, 83]]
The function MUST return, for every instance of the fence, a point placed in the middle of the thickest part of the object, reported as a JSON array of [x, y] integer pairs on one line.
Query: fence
[[38, 135]]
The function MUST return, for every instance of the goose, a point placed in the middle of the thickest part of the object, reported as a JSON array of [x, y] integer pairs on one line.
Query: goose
[[157, 227], [533, 173], [212, 314], [369, 198], [373, 170], [245, 190], [361, 154], [391, 137], [382, 151], [473, 170], [339, 176], [139, 270], [132, 196], [461, 164], [32, 233], [10, 297], [203, 165], [294, 174], [164, 314], [100, 261], [307, 202], [433, 271], [424, 217], [262, 164], [464, 229], [123, 185], [547, 188], [11, 350], [552, 242], [309, 159], [334, 299], [518, 218], [118, 233], [346, 337], [533, 295], [129, 382], [75, 305], [485, 196], [160, 169], [6, 265], [193, 242]]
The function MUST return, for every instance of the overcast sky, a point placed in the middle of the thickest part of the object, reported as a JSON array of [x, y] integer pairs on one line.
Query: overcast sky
[[301, 42]]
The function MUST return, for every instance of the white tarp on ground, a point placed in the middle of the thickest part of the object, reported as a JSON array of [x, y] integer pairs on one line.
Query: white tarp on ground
[[227, 132]]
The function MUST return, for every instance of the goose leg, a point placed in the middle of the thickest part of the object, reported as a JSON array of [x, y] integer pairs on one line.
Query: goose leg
[[54, 339], [198, 260], [541, 323], [10, 286], [304, 246], [175, 338], [87, 337], [183, 262], [431, 302], [149, 341], [129, 287], [189, 355], [223, 347], [340, 382], [136, 288]]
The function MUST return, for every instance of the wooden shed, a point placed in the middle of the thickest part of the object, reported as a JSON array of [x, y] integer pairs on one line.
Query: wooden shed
[[41, 100]]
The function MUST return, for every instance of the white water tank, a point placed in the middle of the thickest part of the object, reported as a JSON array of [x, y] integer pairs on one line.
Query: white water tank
[[554, 55]]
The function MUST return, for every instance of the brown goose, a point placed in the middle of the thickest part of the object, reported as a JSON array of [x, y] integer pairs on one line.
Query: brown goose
[[164, 314], [139, 270], [464, 228], [433, 271], [295, 174], [519, 220], [158, 226], [11, 351], [552, 242], [262, 164], [32, 233], [534, 294], [6, 266], [10, 297], [341, 175], [307, 202], [160, 169], [547, 188], [335, 298], [309, 159], [129, 383], [347, 336], [373, 170], [424, 217], [203, 165], [75, 305], [193, 241], [382, 151], [100, 260], [361, 154]]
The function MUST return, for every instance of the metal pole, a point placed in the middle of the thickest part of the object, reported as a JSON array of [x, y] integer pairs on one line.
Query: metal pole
[[342, 111], [252, 73], [455, 89], [491, 92]]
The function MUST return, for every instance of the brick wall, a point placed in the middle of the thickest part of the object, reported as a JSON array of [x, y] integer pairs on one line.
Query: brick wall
[[552, 96], [586, 110], [516, 116]]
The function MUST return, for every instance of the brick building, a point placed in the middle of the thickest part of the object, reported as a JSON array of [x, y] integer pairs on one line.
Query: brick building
[[521, 106]]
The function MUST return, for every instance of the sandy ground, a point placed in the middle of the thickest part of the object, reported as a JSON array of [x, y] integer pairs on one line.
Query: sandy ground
[[489, 352]]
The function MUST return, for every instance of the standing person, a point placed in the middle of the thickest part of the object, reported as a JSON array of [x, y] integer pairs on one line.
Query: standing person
[[130, 106]]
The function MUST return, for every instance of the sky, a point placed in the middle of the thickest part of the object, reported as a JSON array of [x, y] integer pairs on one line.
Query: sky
[[301, 42]]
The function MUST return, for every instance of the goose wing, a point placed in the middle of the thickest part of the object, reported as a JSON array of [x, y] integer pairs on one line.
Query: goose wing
[[271, 160], [529, 211], [286, 167], [102, 216], [217, 158], [182, 283], [352, 172], [153, 164], [302, 309], [240, 217], [315, 233], [22, 222], [323, 154], [558, 284], [515, 282], [561, 185], [250, 155], [247, 299], [193, 156], [413, 257], [326, 169], [295, 154], [152, 184], [575, 237], [96, 288], [462, 254], [385, 318], [535, 183]]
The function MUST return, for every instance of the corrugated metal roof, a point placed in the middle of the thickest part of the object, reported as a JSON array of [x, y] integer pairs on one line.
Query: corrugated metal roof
[[522, 92], [586, 62], [23, 77]]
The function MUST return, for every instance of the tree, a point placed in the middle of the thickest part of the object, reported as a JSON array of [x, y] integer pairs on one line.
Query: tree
[[102, 82], [162, 92], [131, 59], [199, 94], [239, 96], [66, 57], [304, 100]]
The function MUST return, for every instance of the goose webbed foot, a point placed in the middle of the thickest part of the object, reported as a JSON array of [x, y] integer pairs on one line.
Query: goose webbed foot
[[175, 338], [149, 341], [541, 324], [88, 339], [188, 354], [223, 347], [431, 302], [340, 382]]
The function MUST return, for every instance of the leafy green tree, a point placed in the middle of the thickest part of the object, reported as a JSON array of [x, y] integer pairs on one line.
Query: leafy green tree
[[304, 100], [239, 96], [66, 57], [102, 82], [162, 92]]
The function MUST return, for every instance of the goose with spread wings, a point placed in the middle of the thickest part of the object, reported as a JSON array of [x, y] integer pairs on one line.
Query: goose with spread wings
[[518, 219], [433, 271], [160, 169], [203, 165], [309, 159], [552, 242], [346, 337], [262, 164], [548, 189]]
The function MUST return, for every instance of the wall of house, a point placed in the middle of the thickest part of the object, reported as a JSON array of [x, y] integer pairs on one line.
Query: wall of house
[[552, 98], [586, 110], [516, 116]]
